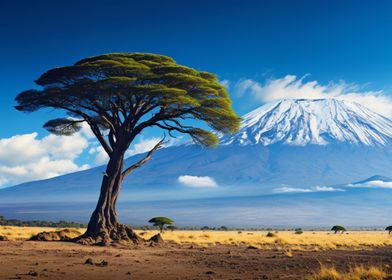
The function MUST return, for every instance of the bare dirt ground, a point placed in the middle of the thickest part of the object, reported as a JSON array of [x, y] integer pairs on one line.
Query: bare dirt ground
[[62, 260]]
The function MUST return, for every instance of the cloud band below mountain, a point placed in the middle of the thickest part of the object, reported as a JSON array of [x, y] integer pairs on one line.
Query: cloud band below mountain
[[197, 181]]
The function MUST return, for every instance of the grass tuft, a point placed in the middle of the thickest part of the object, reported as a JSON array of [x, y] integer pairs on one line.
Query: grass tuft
[[359, 272]]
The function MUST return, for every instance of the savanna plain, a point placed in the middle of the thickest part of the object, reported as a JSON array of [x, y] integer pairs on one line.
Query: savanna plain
[[197, 254]]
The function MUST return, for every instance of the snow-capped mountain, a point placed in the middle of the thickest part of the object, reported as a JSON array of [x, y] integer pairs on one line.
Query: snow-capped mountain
[[375, 178], [320, 121], [290, 144]]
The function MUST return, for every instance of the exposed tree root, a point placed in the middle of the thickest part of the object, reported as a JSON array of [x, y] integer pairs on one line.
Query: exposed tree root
[[117, 235]]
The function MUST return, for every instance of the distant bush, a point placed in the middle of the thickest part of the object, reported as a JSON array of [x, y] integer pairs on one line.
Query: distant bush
[[338, 228], [271, 234], [223, 228], [298, 231], [389, 229], [35, 223]]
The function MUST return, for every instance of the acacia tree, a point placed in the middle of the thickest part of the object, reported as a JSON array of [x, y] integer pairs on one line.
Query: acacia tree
[[119, 95], [160, 222]]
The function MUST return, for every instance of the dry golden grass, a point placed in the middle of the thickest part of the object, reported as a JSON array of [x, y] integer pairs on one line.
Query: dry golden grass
[[285, 241], [355, 273], [23, 233]]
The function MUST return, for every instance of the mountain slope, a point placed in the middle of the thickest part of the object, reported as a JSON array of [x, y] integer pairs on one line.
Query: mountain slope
[[320, 122]]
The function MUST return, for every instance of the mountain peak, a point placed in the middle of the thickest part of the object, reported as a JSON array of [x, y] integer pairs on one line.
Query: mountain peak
[[300, 122], [379, 178]]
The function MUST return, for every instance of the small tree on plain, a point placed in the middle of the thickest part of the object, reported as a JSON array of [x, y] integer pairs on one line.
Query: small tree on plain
[[160, 222], [298, 231], [389, 229], [338, 228]]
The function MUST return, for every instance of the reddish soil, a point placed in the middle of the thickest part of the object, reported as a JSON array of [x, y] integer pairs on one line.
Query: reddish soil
[[62, 260]]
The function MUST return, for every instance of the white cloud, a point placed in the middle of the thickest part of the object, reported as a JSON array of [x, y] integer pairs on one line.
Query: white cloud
[[325, 189], [373, 184], [306, 190], [381, 184], [292, 87], [25, 157], [197, 181], [291, 190], [100, 156], [142, 145]]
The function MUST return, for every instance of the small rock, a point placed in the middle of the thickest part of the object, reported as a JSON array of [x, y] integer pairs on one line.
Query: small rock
[[252, 247], [210, 272], [3, 238], [32, 273], [157, 238], [89, 261], [102, 263]]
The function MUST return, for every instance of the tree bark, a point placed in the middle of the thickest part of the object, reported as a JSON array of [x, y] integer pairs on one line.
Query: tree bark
[[103, 227]]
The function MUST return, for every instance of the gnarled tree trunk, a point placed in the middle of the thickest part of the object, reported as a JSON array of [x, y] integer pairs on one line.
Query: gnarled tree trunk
[[104, 227]]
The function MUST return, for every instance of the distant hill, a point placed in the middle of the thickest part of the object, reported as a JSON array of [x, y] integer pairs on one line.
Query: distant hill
[[375, 178]]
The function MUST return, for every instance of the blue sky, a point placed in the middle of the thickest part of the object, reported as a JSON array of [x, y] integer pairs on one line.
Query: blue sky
[[256, 47]]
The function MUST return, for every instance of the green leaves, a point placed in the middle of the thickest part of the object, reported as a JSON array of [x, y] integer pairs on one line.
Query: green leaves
[[337, 228], [63, 126], [127, 92], [203, 137], [161, 221]]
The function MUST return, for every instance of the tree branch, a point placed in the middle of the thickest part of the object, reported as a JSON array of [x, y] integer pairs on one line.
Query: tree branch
[[94, 127], [145, 159], [97, 132]]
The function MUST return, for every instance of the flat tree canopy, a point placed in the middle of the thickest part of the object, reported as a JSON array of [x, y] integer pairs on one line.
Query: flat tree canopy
[[161, 222], [118, 95]]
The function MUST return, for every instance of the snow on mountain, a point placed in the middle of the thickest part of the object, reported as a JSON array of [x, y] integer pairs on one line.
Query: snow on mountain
[[321, 121], [376, 181], [375, 178]]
